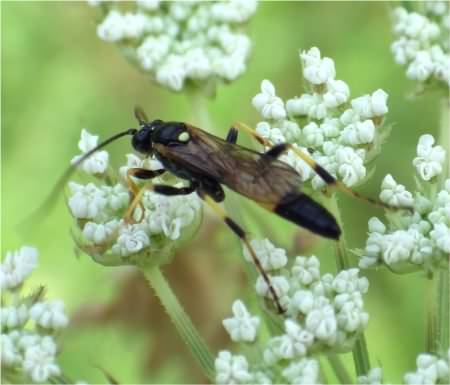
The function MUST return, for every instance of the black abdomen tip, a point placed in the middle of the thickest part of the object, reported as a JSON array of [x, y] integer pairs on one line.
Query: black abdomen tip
[[307, 213]]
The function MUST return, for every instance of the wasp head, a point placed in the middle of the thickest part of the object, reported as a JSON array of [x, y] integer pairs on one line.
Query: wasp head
[[142, 139]]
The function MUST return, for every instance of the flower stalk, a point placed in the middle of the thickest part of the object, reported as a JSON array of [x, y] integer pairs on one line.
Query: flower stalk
[[359, 352], [181, 320]]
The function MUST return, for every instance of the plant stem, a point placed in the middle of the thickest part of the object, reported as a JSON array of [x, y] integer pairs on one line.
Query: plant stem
[[181, 320], [199, 105], [359, 352], [339, 369], [440, 329]]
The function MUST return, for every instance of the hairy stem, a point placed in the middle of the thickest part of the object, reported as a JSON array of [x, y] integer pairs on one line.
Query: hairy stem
[[359, 352], [181, 320]]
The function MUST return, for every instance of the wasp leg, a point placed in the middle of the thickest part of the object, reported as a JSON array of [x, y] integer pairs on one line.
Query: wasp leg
[[232, 135], [140, 173], [160, 189], [329, 179], [242, 235]]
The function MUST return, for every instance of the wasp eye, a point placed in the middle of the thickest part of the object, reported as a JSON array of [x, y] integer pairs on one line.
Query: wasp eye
[[184, 136]]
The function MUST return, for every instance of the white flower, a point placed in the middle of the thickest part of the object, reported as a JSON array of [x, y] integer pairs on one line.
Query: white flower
[[98, 233], [395, 194], [441, 236], [348, 281], [49, 315], [306, 270], [87, 202], [148, 5], [313, 134], [97, 163], [17, 266], [430, 370], [404, 50], [112, 28], [172, 72], [317, 70], [171, 214], [358, 133], [268, 104], [10, 354], [39, 360], [153, 51], [117, 196], [279, 283], [421, 67], [271, 257], [369, 106], [243, 326], [430, 159], [13, 317], [374, 377], [322, 323], [303, 301], [131, 239], [350, 165], [231, 369], [304, 371], [337, 93], [235, 11], [299, 339], [397, 246]]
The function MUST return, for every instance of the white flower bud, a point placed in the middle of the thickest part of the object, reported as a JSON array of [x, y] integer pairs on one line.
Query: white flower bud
[[17, 266], [131, 239], [430, 159], [243, 326], [395, 194], [39, 360], [271, 257], [231, 369], [49, 315]]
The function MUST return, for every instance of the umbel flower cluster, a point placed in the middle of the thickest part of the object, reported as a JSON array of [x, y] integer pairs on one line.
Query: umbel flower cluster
[[325, 313], [342, 134], [431, 369], [422, 42], [177, 42], [29, 324], [410, 241], [99, 210]]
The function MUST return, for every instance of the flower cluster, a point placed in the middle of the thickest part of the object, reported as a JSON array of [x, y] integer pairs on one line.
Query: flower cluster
[[99, 209], [430, 370], [343, 135], [177, 42], [419, 239], [325, 313], [29, 325], [422, 42]]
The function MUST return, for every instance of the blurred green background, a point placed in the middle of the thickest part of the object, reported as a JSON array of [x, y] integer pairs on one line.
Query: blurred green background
[[58, 77]]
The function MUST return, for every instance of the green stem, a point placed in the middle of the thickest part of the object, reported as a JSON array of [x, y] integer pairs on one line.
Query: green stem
[[181, 320], [440, 330], [199, 105], [359, 352], [339, 369]]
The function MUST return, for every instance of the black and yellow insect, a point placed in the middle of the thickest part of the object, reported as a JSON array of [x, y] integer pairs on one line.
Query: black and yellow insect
[[208, 162]]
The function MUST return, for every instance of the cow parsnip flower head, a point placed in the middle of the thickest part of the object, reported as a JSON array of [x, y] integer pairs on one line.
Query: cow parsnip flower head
[[325, 313], [343, 134], [99, 207], [180, 42], [422, 42], [418, 240], [29, 324]]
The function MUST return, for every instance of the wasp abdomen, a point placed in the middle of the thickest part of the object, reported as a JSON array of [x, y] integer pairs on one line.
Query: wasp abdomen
[[305, 212]]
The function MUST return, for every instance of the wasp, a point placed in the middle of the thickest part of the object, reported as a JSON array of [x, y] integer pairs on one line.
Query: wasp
[[208, 163]]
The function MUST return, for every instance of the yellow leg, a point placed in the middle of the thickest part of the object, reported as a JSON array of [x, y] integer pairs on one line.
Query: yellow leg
[[242, 235], [324, 174]]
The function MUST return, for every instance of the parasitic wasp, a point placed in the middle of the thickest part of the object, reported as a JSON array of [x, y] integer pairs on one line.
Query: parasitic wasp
[[208, 162]]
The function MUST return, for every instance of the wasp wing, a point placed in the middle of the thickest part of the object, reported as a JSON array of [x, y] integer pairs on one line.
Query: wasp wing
[[257, 176]]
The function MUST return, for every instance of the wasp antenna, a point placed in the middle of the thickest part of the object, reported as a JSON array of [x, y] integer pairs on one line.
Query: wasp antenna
[[140, 115], [49, 202]]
